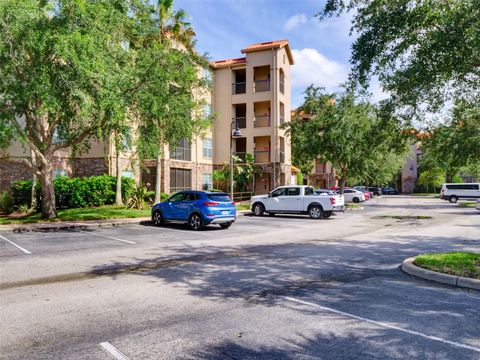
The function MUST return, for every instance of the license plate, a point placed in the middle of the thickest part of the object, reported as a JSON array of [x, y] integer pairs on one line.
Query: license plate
[[225, 212]]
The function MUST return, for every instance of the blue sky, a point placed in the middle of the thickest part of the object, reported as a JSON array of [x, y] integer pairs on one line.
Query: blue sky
[[321, 49]]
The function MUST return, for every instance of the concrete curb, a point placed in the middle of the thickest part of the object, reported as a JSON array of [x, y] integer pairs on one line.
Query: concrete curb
[[72, 225], [459, 281]]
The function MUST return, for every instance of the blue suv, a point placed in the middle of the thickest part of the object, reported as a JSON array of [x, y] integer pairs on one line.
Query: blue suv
[[197, 209]]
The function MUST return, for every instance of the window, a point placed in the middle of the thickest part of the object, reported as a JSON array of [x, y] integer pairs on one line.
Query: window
[[59, 172], [191, 197], [207, 181], [463, 187], [207, 148], [207, 110], [127, 174], [126, 140], [180, 179], [57, 138], [176, 197], [309, 191], [219, 197], [278, 192], [293, 191], [182, 151]]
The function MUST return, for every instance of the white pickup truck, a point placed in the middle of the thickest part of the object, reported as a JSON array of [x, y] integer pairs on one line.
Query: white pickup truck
[[297, 200]]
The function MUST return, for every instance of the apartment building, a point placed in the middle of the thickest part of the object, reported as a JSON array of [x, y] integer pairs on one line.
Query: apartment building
[[254, 91], [253, 94]]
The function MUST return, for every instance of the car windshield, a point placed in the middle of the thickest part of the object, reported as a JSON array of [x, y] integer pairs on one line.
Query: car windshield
[[219, 197]]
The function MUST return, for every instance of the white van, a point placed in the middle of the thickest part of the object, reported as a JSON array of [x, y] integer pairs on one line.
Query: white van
[[453, 192]]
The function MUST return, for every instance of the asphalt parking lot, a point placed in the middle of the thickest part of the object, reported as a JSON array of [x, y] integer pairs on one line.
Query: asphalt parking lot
[[267, 288]]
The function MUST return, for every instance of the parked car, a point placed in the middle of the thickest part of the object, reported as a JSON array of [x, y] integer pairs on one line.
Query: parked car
[[368, 193], [376, 190], [197, 209], [453, 192], [389, 191], [297, 200], [324, 192], [352, 195]]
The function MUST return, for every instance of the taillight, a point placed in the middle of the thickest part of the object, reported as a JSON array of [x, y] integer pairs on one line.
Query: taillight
[[333, 201], [233, 202], [210, 203]]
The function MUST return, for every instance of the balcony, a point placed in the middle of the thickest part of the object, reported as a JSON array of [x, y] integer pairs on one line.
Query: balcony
[[282, 120], [262, 156], [261, 121], [241, 120], [239, 88], [282, 87], [282, 157], [181, 153], [261, 85]]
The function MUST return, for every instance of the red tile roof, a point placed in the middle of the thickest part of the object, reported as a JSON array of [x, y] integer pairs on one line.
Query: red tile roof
[[270, 45], [265, 45], [228, 62]]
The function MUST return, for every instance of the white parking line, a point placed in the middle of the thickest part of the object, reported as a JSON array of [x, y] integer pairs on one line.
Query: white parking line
[[385, 325], [113, 351], [108, 237], [18, 246], [186, 232]]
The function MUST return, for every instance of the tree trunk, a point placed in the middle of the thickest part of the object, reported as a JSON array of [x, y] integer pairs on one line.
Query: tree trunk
[[118, 190], [33, 202], [343, 179], [49, 210], [158, 179]]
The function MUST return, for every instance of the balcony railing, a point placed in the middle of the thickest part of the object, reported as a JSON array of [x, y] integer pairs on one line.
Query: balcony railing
[[262, 156], [241, 120], [241, 155], [261, 85], [239, 88], [261, 121], [282, 157], [180, 153], [282, 120], [282, 87]]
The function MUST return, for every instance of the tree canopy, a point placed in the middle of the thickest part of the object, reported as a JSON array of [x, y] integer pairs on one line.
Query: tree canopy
[[363, 143], [424, 52]]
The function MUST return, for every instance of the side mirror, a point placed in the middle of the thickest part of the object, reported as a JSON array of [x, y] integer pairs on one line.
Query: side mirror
[[269, 194]]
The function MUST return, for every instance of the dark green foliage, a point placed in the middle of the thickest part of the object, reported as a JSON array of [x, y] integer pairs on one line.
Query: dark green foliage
[[76, 192], [6, 204]]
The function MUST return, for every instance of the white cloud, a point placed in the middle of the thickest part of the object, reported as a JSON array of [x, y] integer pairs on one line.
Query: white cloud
[[311, 67], [294, 21]]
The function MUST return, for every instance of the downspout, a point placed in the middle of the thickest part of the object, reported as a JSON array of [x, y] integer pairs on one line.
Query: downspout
[[274, 107]]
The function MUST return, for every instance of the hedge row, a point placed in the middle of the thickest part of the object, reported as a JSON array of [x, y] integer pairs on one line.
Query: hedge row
[[75, 192]]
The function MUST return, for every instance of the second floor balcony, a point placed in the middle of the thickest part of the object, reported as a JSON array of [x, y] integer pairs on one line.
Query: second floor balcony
[[241, 121]]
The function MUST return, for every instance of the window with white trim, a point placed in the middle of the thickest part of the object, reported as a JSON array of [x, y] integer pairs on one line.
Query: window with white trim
[[207, 148], [207, 181]]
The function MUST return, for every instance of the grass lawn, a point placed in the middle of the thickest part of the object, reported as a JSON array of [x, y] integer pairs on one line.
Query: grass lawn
[[467, 204], [352, 206], [243, 207], [427, 194], [80, 214], [454, 263]]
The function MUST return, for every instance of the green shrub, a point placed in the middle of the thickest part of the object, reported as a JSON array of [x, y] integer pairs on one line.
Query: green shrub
[[6, 203], [299, 178], [76, 192]]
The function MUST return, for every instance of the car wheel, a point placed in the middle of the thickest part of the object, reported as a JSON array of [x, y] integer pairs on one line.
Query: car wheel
[[195, 222], [271, 214], [315, 212], [258, 209], [225, 225], [453, 199], [327, 214], [158, 218], [356, 200]]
